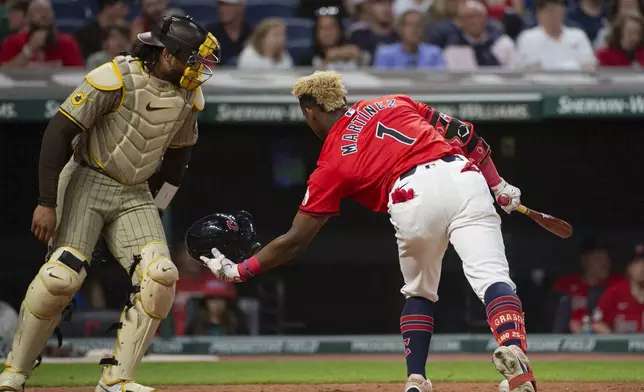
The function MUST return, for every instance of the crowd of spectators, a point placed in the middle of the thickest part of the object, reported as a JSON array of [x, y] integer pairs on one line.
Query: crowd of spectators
[[343, 34], [597, 299]]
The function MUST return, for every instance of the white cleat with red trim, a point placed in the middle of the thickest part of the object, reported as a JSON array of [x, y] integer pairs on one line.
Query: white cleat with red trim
[[514, 365]]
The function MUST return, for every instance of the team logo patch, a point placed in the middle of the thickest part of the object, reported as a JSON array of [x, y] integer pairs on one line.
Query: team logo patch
[[306, 197], [232, 225], [78, 98], [463, 131]]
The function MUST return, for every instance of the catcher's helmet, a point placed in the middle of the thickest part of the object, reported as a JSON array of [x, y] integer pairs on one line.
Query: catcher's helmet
[[188, 42], [232, 234]]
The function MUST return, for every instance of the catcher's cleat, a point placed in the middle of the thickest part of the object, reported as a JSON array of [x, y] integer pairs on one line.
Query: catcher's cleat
[[12, 380], [418, 383], [123, 386], [514, 365]]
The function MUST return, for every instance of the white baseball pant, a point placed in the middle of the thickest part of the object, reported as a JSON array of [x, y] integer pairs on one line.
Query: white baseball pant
[[448, 205]]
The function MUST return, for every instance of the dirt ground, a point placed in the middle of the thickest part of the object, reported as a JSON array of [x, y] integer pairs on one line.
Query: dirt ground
[[442, 387], [398, 387]]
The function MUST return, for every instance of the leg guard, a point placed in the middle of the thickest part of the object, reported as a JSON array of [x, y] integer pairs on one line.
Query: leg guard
[[139, 322], [48, 295]]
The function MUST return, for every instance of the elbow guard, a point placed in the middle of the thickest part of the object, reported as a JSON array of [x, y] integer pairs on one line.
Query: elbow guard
[[461, 134]]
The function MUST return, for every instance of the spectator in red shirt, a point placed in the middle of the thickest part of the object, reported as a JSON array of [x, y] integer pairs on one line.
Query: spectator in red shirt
[[583, 289], [621, 307], [41, 45], [625, 43]]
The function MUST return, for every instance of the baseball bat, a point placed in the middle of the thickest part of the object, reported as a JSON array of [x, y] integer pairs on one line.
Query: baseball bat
[[556, 226]]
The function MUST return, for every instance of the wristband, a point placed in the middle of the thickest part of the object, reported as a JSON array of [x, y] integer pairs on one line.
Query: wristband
[[44, 203], [249, 268]]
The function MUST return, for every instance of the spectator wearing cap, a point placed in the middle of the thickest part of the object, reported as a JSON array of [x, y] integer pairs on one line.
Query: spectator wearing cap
[[266, 48], [214, 313], [621, 307], [41, 45], [116, 40], [626, 44], [330, 52], [231, 31], [552, 45], [151, 12], [375, 27], [13, 18], [583, 289], [590, 16], [473, 45], [90, 36], [410, 52]]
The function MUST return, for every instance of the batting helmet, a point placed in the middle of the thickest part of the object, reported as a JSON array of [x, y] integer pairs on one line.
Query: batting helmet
[[232, 234], [190, 43]]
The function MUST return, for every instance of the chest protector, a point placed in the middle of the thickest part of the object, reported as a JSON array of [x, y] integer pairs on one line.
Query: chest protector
[[129, 142]]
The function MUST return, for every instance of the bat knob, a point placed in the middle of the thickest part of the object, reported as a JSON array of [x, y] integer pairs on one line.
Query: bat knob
[[503, 200]]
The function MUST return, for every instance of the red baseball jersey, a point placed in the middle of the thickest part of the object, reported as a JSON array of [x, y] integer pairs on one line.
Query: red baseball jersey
[[618, 309], [367, 149], [575, 287]]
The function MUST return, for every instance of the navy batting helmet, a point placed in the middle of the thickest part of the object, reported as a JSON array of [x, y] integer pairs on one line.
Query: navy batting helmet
[[232, 234]]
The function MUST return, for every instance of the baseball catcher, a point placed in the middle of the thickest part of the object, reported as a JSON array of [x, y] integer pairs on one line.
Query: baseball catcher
[[127, 118], [432, 174]]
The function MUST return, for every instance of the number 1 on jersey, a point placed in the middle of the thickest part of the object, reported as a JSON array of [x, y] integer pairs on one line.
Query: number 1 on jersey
[[382, 130]]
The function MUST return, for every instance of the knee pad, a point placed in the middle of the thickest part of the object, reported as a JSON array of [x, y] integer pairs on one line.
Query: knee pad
[[139, 322], [158, 282], [56, 283]]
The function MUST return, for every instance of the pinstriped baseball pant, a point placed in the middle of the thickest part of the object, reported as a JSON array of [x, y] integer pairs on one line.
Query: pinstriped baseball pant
[[91, 203]]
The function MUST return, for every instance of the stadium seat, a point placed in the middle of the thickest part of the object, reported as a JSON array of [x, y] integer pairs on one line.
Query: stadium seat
[[71, 9], [69, 26], [203, 11], [299, 49], [255, 13], [298, 29], [135, 11]]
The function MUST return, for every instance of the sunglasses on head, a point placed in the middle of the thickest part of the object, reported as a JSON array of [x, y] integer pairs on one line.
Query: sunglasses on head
[[327, 11]]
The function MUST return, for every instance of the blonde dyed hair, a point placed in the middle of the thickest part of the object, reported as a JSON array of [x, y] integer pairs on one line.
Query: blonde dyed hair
[[325, 87]]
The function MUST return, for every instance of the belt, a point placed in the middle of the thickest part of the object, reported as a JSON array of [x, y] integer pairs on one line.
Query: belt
[[96, 169], [412, 171]]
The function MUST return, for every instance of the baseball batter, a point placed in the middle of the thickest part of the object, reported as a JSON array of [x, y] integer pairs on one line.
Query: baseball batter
[[122, 119], [431, 174]]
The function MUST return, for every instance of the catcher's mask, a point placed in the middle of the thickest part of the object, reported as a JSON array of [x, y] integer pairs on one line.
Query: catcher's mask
[[198, 49]]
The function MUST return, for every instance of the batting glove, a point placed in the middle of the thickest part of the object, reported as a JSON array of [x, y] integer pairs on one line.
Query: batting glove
[[508, 196], [223, 268]]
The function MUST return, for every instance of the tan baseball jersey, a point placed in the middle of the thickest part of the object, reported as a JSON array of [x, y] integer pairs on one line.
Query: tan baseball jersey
[[132, 117], [129, 118]]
